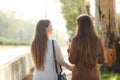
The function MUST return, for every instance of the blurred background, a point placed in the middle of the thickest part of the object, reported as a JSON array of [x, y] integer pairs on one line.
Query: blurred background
[[18, 19]]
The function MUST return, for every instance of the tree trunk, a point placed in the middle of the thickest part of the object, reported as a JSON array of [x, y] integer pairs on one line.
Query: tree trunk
[[83, 6], [107, 20], [97, 22]]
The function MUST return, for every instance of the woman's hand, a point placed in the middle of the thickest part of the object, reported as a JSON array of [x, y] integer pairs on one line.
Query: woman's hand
[[70, 67]]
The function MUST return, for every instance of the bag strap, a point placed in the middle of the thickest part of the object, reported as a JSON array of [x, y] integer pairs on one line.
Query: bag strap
[[55, 58]]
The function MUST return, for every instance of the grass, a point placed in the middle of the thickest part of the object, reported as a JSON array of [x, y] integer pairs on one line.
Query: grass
[[110, 76]]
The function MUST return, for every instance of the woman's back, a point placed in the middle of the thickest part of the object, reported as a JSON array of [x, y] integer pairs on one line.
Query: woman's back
[[49, 66], [82, 69], [86, 51], [42, 52]]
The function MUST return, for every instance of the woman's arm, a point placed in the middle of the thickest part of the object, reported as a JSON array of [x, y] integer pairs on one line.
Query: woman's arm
[[59, 56], [72, 51]]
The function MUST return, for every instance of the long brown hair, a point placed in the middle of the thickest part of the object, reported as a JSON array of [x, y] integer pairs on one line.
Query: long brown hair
[[87, 40], [39, 44]]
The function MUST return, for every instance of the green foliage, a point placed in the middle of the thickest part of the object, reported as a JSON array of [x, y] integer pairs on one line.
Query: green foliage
[[110, 76], [119, 22], [70, 10], [98, 31], [4, 41], [13, 30]]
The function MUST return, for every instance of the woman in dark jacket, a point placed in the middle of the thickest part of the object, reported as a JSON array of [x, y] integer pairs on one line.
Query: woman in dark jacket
[[86, 51]]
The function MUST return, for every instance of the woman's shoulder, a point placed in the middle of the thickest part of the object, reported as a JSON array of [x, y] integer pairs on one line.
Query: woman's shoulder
[[50, 39]]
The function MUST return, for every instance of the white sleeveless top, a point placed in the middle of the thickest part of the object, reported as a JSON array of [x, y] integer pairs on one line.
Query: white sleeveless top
[[49, 72]]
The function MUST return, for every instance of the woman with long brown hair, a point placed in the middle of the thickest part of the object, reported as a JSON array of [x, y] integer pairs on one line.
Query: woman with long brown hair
[[42, 53], [86, 51]]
